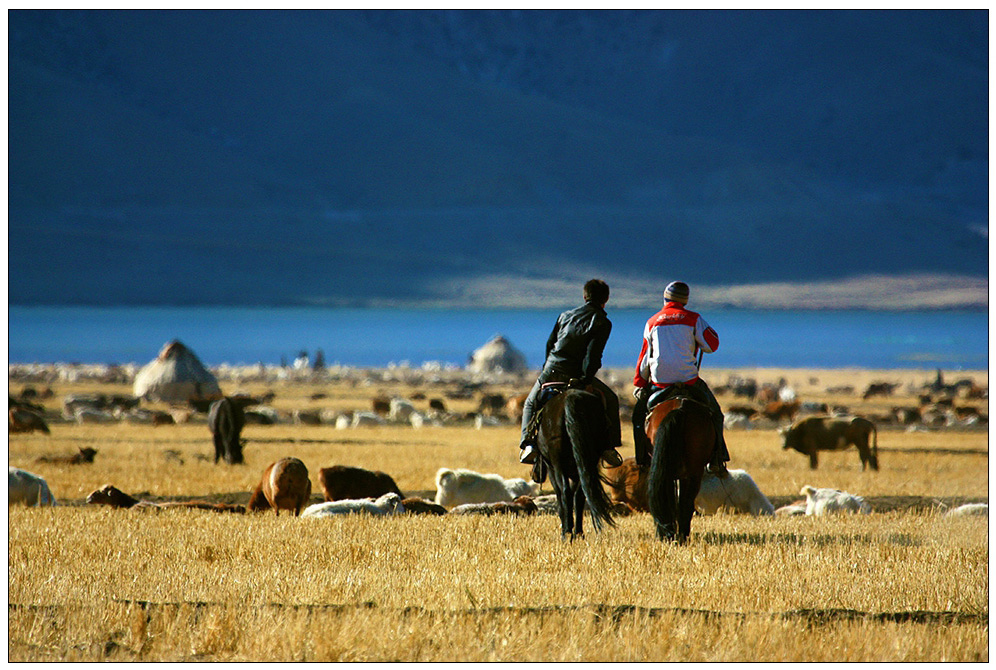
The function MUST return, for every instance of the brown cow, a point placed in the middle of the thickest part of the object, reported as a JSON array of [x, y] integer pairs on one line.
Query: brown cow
[[115, 497], [284, 485], [817, 433], [514, 407], [627, 484], [342, 482], [85, 455]]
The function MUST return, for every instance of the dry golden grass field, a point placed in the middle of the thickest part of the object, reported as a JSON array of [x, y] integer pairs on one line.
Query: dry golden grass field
[[90, 583]]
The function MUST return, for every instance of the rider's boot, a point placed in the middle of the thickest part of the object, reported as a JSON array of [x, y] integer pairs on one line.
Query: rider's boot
[[529, 453], [720, 455]]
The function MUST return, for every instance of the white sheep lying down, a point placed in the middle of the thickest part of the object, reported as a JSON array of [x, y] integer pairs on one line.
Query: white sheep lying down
[[738, 492], [459, 487], [26, 488], [386, 505], [820, 502], [969, 509]]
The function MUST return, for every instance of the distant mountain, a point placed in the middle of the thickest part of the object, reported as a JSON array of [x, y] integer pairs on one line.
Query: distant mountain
[[465, 157]]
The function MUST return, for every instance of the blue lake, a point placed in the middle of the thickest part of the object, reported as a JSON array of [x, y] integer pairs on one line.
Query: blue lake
[[376, 337]]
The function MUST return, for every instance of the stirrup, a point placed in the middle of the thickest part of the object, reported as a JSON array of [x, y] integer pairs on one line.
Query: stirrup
[[528, 455], [718, 469]]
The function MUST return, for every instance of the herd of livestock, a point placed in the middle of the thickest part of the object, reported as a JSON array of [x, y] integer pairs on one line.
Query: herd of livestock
[[286, 484]]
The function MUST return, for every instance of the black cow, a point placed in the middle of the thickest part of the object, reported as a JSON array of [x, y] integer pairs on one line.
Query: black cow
[[226, 418]]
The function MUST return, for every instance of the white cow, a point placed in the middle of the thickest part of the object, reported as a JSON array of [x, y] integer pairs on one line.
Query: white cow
[[27, 488], [820, 502], [738, 492], [458, 487], [386, 505]]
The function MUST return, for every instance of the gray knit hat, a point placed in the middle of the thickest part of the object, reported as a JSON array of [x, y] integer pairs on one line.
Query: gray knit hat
[[677, 291]]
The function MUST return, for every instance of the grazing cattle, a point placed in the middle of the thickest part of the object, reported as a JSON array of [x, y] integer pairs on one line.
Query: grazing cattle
[[821, 502], [815, 434], [342, 482], [226, 419], [778, 410], [85, 455], [437, 404], [736, 493], [458, 487], [883, 389], [422, 506], [970, 509], [381, 405], [521, 506], [388, 504], [26, 488], [284, 485], [627, 484], [23, 420], [115, 497], [492, 404]]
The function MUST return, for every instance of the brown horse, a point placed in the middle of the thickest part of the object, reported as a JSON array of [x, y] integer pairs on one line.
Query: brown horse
[[682, 432], [571, 438]]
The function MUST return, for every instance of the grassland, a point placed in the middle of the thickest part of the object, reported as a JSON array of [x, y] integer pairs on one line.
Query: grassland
[[90, 583]]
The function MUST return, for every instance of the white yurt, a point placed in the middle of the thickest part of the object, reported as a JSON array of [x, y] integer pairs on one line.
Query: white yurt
[[498, 355], [176, 376]]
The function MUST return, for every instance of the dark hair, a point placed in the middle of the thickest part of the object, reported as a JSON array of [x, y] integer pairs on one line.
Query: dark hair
[[596, 291]]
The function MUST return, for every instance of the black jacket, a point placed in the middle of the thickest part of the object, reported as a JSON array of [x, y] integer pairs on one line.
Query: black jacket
[[575, 346]]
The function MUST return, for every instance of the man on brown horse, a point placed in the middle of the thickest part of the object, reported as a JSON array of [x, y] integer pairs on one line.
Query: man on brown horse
[[671, 340], [574, 352]]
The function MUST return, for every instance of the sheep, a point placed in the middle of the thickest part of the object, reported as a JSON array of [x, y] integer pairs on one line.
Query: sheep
[[546, 504], [27, 488], [970, 509], [115, 497], [523, 505], [366, 419], [387, 505], [458, 487], [821, 502], [422, 506], [738, 492], [342, 482], [400, 410], [284, 485], [795, 509]]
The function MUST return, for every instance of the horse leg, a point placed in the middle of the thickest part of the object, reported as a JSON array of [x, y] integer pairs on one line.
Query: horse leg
[[579, 503], [688, 489], [813, 460], [564, 502], [667, 529]]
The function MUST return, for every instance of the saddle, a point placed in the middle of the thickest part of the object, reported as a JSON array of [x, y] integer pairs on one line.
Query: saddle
[[548, 391], [671, 398]]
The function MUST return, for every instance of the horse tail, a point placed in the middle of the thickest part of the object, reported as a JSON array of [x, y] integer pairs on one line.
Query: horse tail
[[585, 426], [662, 494]]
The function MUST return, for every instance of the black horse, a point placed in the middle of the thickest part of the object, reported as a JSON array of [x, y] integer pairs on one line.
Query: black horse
[[571, 438], [683, 434]]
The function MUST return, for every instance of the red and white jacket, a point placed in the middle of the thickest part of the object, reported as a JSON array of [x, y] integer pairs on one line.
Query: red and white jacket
[[671, 341]]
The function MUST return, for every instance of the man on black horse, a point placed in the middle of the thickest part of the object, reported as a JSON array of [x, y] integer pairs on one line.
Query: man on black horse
[[574, 351], [671, 340]]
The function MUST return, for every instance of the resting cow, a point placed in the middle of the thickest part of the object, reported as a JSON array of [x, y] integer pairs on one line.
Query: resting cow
[[521, 506], [737, 493], [342, 482], [27, 488], [115, 497], [458, 487], [816, 433], [388, 504], [821, 502]]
